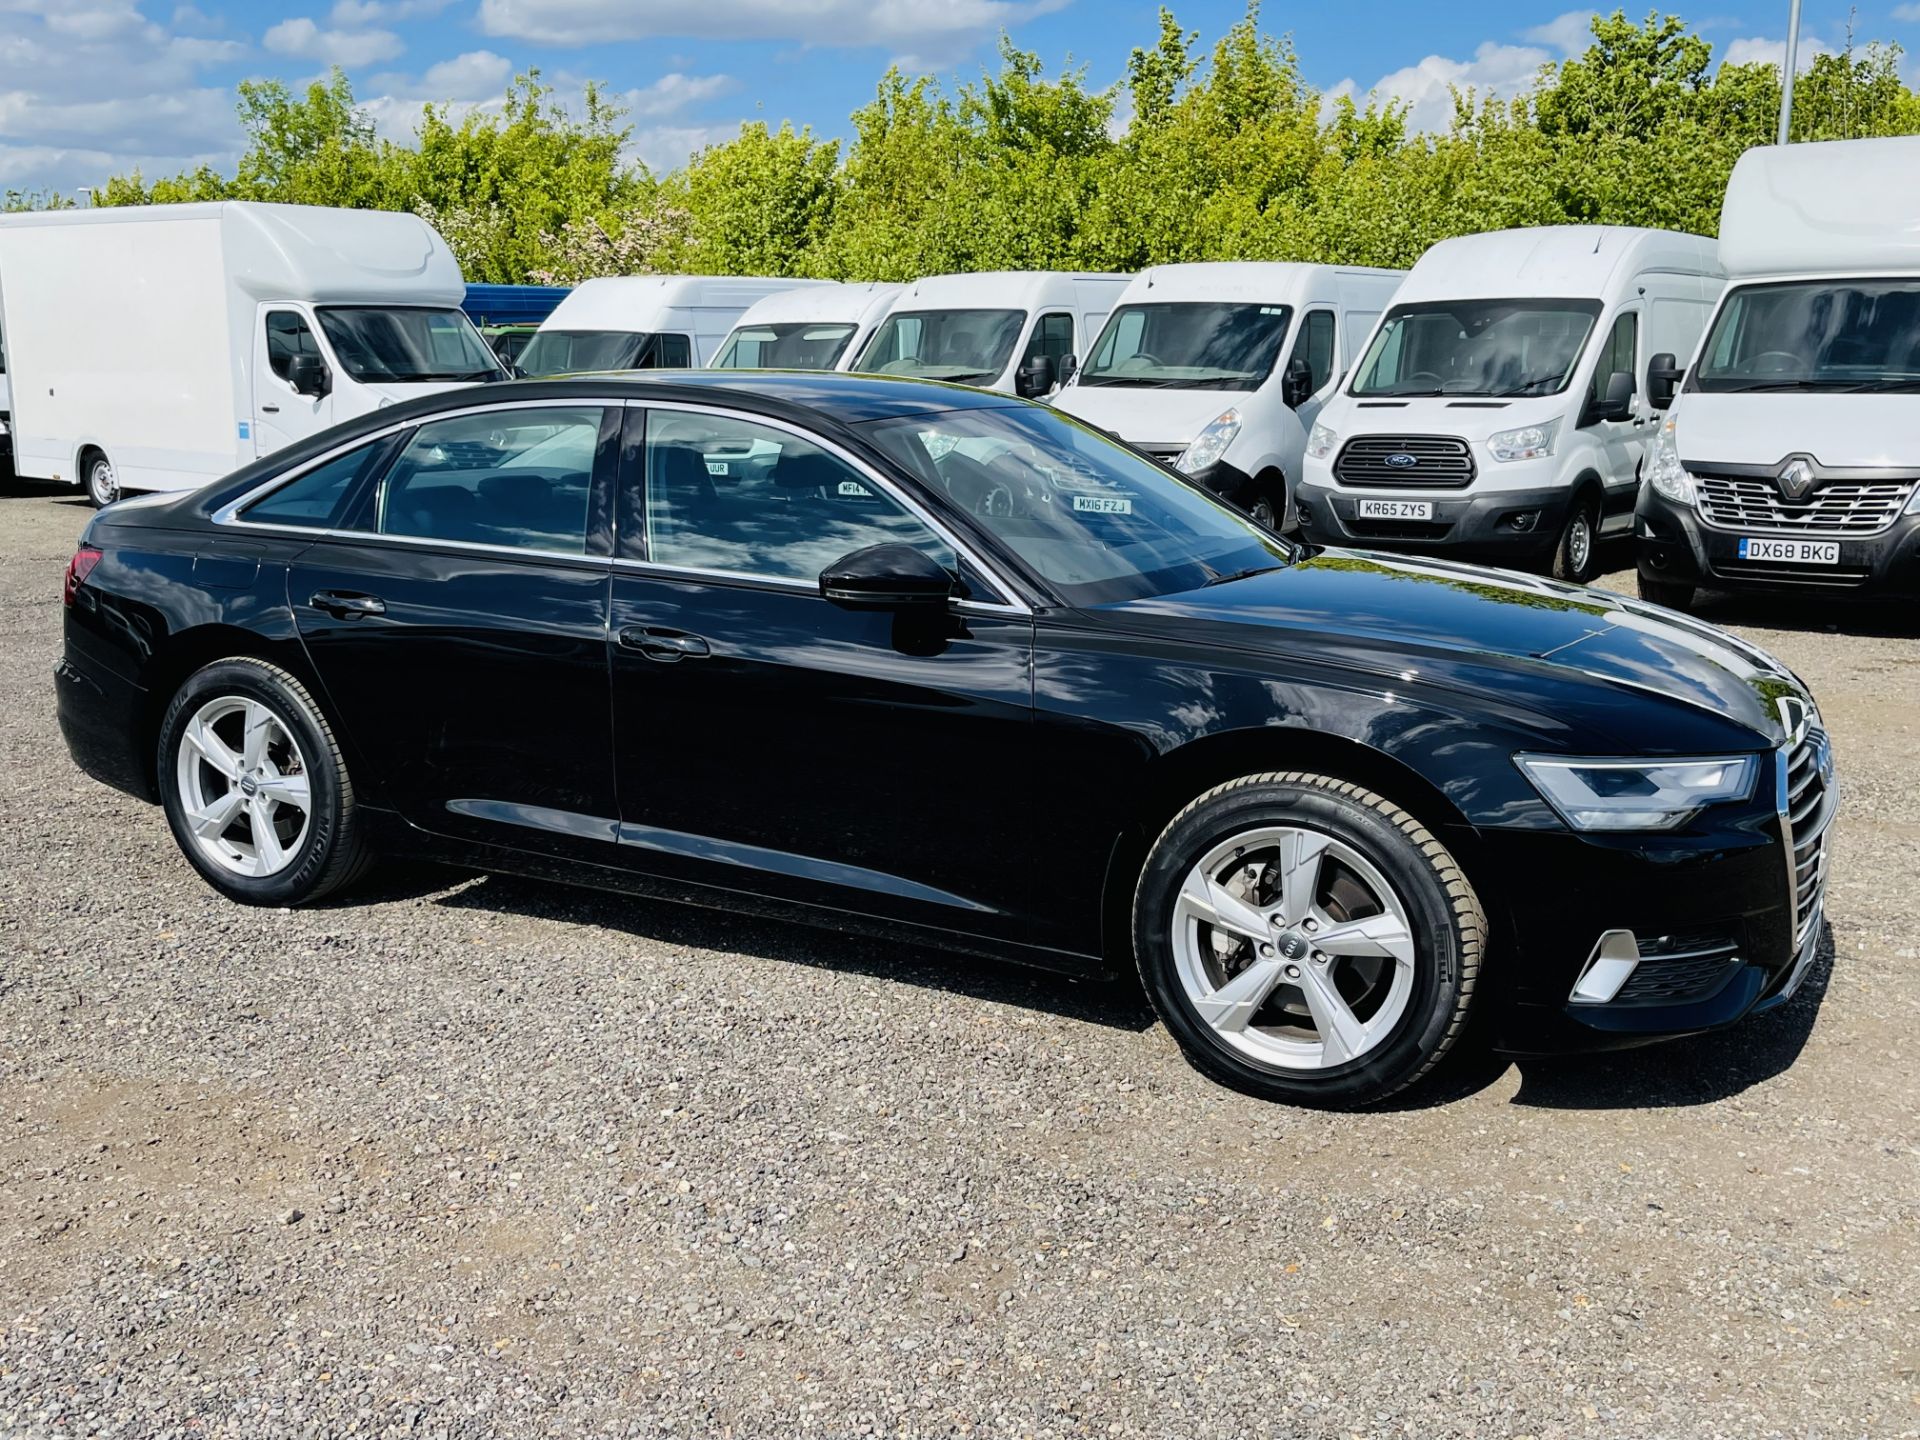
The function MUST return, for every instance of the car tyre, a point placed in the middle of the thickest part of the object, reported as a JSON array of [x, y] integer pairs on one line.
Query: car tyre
[[1370, 874], [1576, 555], [255, 788], [1672, 594], [98, 481]]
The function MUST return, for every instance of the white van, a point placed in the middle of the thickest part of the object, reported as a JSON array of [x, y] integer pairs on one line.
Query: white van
[[1020, 331], [160, 347], [1791, 457], [1501, 409], [1189, 368], [644, 322], [817, 327]]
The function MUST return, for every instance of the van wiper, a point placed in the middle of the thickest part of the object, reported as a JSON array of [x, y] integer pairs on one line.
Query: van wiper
[[1524, 386], [1905, 385], [1246, 574]]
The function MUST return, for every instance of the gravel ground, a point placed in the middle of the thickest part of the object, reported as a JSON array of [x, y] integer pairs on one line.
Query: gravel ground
[[468, 1156]]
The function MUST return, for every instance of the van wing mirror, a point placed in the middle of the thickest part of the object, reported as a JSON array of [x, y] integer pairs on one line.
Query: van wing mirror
[[1035, 378], [1069, 367], [1663, 379], [1296, 383], [308, 375], [1616, 401]]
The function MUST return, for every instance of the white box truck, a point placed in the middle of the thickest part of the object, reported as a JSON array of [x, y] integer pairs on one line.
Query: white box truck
[[1501, 409], [1017, 331], [645, 322], [160, 347], [1790, 459], [816, 327], [1220, 368]]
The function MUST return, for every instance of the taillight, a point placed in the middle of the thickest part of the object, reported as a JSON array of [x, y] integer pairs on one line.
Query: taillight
[[78, 568]]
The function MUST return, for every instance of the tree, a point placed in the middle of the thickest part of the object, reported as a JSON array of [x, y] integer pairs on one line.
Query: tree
[[759, 204]]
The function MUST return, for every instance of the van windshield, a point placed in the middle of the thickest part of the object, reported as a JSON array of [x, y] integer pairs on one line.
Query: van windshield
[[572, 352], [407, 346], [966, 346], [1477, 347], [796, 346], [1189, 346], [1815, 335]]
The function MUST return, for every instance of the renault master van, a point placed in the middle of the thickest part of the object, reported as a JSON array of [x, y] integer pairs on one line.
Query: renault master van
[[1791, 458], [644, 322], [160, 347], [816, 327], [1501, 410], [1020, 331], [1220, 369]]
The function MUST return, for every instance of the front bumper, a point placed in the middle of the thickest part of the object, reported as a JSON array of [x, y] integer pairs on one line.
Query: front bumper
[[1675, 546], [1496, 524], [1725, 924]]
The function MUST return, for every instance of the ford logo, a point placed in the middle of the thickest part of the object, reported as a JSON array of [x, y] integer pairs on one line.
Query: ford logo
[[1400, 460]]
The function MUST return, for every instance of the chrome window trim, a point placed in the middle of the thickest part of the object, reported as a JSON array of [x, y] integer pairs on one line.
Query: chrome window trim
[[1009, 604]]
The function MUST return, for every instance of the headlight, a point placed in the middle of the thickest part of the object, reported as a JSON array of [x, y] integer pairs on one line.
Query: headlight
[[1529, 442], [1604, 794], [1321, 440], [1665, 472], [1210, 444]]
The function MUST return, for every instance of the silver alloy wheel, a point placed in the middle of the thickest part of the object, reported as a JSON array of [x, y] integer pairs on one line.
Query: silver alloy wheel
[[244, 789], [102, 485], [1294, 948], [1579, 544]]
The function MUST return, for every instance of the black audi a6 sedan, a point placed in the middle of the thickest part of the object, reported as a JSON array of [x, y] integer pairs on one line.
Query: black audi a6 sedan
[[894, 654]]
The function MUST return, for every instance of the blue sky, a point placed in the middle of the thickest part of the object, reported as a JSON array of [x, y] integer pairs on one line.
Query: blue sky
[[88, 87]]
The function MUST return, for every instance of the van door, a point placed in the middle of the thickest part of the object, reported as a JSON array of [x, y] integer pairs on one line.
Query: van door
[[280, 414], [1622, 443], [1313, 342]]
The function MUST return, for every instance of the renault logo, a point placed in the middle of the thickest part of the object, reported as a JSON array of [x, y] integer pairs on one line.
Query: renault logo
[[1795, 478]]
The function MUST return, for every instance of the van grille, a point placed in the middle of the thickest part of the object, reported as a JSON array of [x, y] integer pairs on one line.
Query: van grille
[[1439, 462], [1745, 503], [1810, 806]]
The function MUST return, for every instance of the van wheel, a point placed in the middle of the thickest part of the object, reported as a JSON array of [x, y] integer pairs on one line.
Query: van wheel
[[1576, 556], [1672, 594], [1307, 940], [97, 479]]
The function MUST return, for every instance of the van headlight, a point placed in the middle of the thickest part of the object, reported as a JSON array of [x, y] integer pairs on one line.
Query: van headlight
[[1608, 794], [1210, 444], [1320, 442], [1665, 472], [1528, 442]]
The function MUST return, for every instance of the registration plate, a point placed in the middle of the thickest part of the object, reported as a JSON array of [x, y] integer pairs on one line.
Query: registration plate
[[1395, 510], [716, 467], [1103, 504], [1791, 552]]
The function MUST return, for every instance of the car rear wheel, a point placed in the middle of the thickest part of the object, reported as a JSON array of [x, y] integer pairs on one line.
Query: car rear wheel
[[254, 787], [1307, 940], [1672, 594]]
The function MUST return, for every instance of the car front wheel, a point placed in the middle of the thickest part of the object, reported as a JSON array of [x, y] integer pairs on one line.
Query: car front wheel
[[254, 786], [1307, 940]]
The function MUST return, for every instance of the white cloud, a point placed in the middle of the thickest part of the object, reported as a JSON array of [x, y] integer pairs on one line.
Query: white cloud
[[357, 14], [1908, 13], [1426, 89], [1755, 50], [924, 26], [671, 94], [476, 75], [667, 147], [302, 39], [1570, 34]]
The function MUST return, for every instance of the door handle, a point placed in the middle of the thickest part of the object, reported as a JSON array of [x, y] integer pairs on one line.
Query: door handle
[[271, 409], [344, 605], [663, 645]]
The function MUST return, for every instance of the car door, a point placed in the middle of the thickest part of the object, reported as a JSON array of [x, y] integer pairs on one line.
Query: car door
[[1622, 443], [455, 614], [282, 414], [768, 740]]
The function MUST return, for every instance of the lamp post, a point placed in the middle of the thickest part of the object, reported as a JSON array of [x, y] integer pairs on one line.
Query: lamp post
[[1786, 75]]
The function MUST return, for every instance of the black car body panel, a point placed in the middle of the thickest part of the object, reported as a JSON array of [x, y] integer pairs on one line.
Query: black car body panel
[[985, 779]]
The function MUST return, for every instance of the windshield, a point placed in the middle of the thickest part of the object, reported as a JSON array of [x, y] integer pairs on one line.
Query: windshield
[[1477, 347], [785, 347], [967, 346], [407, 346], [1188, 346], [1087, 515], [570, 352], [1815, 335]]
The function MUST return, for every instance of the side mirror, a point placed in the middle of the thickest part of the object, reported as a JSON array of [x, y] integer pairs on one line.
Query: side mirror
[[1616, 401], [1663, 379], [1296, 383], [308, 375], [887, 577], [1069, 367], [1035, 378]]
